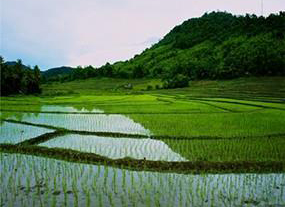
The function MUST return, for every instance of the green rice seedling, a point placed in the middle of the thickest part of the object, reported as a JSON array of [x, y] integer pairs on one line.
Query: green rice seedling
[[75, 192], [88, 199], [174, 185], [148, 198], [157, 199], [94, 184], [114, 181], [55, 184], [28, 184], [123, 201], [124, 180], [106, 175], [54, 201], [111, 200], [64, 184], [100, 200], [65, 199]]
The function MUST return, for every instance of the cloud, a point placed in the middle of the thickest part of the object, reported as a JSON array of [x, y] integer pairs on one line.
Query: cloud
[[71, 32]]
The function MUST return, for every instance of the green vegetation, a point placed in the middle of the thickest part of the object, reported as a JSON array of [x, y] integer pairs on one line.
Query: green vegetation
[[178, 81], [42, 181], [19, 79], [250, 88], [99, 86], [200, 123], [55, 74], [230, 150], [243, 124]]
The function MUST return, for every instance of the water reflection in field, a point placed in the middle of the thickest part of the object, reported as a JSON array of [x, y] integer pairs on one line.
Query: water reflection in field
[[27, 180], [117, 147], [15, 133]]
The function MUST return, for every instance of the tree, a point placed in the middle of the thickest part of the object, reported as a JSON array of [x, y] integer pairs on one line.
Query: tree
[[138, 72], [17, 78], [37, 73], [260, 55], [178, 81], [107, 70]]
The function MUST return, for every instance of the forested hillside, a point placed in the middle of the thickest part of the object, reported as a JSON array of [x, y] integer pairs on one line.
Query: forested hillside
[[217, 45], [17, 78]]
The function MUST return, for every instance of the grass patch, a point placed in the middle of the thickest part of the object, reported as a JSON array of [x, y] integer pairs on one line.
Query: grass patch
[[98, 86], [230, 150], [258, 123]]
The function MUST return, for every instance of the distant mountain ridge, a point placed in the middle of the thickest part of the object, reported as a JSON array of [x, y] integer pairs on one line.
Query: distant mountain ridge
[[56, 72], [13, 63], [50, 74]]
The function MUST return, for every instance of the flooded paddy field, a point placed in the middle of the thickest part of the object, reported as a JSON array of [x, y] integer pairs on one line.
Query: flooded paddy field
[[35, 181], [143, 150], [14, 133], [85, 122], [115, 148]]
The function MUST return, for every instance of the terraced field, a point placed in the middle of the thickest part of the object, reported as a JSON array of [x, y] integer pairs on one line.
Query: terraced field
[[166, 149]]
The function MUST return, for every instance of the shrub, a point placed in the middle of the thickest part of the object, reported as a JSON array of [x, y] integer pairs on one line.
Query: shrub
[[178, 81], [149, 87]]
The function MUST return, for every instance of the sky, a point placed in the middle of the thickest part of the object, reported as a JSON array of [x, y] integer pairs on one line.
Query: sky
[[52, 33]]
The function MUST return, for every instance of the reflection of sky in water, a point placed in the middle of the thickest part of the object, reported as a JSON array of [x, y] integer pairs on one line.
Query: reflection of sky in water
[[88, 122], [107, 185], [14, 133], [55, 108], [82, 122], [117, 147]]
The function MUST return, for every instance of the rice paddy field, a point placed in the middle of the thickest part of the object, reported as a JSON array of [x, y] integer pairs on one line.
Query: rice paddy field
[[212, 144]]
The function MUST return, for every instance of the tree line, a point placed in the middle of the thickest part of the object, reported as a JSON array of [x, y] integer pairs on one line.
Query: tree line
[[17, 78]]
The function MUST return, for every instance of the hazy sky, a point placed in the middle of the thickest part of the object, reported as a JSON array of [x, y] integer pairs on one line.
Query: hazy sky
[[82, 32]]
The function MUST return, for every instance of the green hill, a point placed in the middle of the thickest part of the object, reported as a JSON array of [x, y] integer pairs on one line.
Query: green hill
[[217, 45]]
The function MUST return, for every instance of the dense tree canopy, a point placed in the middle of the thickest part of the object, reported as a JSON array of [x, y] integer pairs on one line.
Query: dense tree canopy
[[19, 79]]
